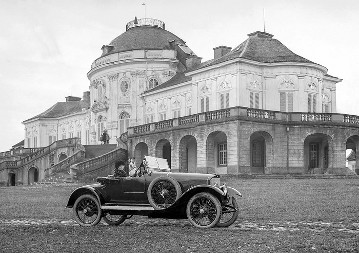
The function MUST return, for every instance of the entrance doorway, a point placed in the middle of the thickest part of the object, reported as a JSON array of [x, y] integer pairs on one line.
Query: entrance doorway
[[258, 155], [12, 179], [33, 175]]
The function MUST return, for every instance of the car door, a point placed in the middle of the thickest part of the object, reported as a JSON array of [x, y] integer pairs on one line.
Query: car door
[[114, 191], [134, 190]]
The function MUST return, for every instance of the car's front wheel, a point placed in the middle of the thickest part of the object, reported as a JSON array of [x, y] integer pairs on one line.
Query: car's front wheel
[[114, 220], [230, 213], [87, 210], [204, 210]]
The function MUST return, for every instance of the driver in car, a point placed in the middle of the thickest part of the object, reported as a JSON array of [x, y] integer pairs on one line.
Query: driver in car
[[119, 170]]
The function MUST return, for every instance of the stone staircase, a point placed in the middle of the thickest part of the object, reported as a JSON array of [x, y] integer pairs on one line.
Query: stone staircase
[[60, 172], [92, 151]]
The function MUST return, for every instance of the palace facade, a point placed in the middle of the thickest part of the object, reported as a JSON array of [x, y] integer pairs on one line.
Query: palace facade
[[255, 108]]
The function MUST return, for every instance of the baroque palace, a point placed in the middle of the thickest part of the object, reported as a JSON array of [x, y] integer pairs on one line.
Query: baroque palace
[[254, 108]]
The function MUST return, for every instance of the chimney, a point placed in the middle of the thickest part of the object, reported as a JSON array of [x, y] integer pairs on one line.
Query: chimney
[[220, 51], [86, 96], [193, 62], [72, 99]]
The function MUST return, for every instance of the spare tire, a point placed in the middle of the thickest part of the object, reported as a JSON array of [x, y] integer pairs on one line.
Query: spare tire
[[163, 192]]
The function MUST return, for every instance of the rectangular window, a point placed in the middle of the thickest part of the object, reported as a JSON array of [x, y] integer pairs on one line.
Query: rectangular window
[[87, 136], [162, 116], [63, 136], [312, 102], [29, 142], [224, 100], [256, 105], [283, 101], [286, 101], [290, 101], [254, 100], [222, 154], [176, 113], [78, 135], [71, 135], [205, 104], [325, 108], [189, 110], [35, 142], [221, 98]]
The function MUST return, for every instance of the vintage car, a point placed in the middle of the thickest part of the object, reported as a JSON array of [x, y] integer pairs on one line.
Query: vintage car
[[198, 197]]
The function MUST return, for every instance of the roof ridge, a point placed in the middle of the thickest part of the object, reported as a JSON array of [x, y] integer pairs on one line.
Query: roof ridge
[[245, 47]]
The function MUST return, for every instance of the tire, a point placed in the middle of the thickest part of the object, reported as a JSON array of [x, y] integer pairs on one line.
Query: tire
[[114, 220], [163, 192], [87, 210], [229, 214], [204, 210]]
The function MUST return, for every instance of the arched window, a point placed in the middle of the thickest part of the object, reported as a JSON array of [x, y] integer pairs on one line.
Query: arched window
[[152, 83], [124, 122]]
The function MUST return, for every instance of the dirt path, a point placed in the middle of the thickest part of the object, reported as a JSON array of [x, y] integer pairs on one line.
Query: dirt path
[[244, 225]]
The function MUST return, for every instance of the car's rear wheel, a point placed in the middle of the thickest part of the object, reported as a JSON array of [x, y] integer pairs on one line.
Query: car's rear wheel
[[163, 192], [87, 210], [204, 210], [114, 220], [229, 213]]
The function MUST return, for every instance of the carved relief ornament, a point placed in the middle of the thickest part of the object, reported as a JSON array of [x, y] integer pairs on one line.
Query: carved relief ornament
[[113, 77], [287, 84], [255, 85]]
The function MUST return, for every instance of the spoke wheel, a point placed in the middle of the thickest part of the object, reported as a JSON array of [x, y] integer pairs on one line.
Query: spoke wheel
[[87, 210], [229, 213], [163, 192], [204, 210], [114, 220]]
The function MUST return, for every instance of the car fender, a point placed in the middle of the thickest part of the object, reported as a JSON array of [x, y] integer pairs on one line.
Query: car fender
[[233, 192], [201, 188], [87, 189]]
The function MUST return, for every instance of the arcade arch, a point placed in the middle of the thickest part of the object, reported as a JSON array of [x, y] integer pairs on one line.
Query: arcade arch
[[188, 154], [163, 149], [261, 145], [316, 153], [216, 152]]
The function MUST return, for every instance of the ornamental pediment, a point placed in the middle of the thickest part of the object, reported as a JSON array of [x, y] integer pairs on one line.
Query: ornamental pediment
[[99, 106]]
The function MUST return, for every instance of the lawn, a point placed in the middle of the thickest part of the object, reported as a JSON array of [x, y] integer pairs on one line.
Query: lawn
[[277, 215]]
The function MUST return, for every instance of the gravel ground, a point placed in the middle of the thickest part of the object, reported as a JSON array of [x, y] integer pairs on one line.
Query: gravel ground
[[276, 216]]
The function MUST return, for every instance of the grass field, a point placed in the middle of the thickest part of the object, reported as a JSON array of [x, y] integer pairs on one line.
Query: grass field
[[276, 215]]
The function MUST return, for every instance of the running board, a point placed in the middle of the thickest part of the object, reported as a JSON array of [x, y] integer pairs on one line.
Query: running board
[[128, 208]]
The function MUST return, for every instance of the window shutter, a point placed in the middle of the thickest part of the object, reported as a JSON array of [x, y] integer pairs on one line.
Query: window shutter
[[50, 139], [227, 100], [207, 104], [257, 101], [202, 104], [314, 102], [290, 102], [222, 100], [309, 102], [282, 101], [251, 99], [179, 113]]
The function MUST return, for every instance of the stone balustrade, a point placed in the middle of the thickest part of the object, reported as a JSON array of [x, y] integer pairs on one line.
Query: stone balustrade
[[215, 115], [316, 117], [352, 119], [164, 124], [188, 120], [239, 112], [260, 114]]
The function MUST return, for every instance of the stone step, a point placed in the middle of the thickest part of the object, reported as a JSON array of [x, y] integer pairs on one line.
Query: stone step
[[92, 151]]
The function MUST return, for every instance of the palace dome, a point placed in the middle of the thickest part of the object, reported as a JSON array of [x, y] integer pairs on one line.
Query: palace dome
[[148, 36]]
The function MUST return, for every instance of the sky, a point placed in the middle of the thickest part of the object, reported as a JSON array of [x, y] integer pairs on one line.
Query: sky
[[47, 46]]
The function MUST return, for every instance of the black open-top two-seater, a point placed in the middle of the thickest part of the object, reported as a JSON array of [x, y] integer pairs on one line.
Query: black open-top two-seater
[[198, 197]]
